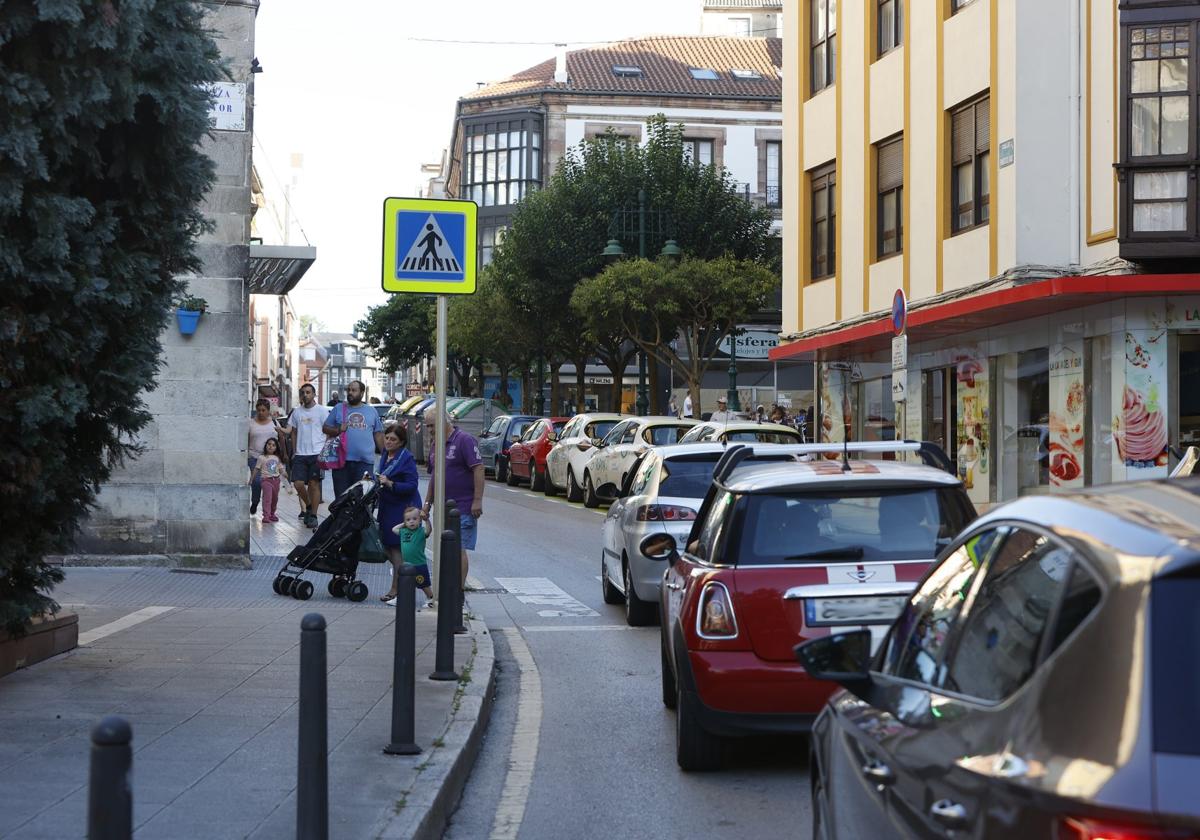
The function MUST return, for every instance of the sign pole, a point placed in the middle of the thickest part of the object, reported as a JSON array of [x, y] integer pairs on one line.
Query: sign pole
[[439, 461]]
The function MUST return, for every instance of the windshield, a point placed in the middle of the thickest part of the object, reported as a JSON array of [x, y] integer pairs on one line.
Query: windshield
[[518, 427], [600, 428], [867, 525], [686, 477], [762, 437]]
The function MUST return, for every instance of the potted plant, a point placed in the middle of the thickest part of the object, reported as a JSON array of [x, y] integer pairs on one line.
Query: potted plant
[[188, 309]]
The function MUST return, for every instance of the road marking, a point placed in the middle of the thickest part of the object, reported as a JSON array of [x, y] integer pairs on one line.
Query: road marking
[[123, 623], [522, 756], [542, 592], [573, 628]]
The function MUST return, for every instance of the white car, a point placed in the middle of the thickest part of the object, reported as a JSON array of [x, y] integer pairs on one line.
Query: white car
[[605, 473], [573, 448], [667, 488], [742, 432]]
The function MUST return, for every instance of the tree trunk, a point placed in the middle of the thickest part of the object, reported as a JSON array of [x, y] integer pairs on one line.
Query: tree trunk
[[502, 395], [555, 406], [580, 384], [527, 391], [652, 376]]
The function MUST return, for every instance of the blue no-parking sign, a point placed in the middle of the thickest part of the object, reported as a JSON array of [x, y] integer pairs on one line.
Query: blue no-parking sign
[[429, 246]]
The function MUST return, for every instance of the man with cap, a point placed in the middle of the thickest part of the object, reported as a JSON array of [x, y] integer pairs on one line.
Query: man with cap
[[722, 414]]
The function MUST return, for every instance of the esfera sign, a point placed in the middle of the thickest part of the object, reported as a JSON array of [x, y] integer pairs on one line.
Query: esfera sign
[[752, 344]]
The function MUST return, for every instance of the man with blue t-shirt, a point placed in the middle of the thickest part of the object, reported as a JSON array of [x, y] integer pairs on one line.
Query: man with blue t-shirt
[[364, 436]]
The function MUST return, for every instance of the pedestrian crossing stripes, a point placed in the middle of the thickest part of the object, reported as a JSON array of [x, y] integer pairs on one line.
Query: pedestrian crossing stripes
[[549, 600], [430, 252]]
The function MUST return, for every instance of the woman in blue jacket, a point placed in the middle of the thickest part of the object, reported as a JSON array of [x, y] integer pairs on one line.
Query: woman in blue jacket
[[397, 475]]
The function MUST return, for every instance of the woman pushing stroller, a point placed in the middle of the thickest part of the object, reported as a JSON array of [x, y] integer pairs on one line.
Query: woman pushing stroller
[[398, 491]]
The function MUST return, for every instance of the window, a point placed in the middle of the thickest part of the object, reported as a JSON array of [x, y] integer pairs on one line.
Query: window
[[704, 74], [970, 144], [824, 222], [627, 70], [889, 174], [490, 236], [698, 151], [687, 477], [349, 354], [308, 354], [774, 167], [663, 435], [890, 25], [955, 5], [1175, 649], [739, 27], [503, 161], [614, 433], [745, 75], [707, 543], [823, 41], [1160, 201], [1158, 91]]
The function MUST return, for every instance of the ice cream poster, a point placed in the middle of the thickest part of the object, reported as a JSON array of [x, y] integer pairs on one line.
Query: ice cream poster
[[1068, 411], [1140, 418], [974, 421], [836, 410]]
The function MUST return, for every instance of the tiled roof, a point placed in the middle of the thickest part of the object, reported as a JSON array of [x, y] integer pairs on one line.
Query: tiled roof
[[665, 61]]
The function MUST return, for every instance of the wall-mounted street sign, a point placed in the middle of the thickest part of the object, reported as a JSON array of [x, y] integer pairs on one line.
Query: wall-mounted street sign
[[899, 312], [227, 107], [429, 246]]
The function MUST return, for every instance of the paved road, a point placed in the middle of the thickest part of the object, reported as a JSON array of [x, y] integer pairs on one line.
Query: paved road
[[595, 757]]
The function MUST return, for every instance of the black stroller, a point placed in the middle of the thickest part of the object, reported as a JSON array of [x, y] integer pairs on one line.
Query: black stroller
[[332, 549]]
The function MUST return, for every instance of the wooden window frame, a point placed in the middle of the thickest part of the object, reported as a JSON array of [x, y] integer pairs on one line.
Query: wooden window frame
[[882, 47], [828, 45], [979, 158], [823, 178], [885, 192]]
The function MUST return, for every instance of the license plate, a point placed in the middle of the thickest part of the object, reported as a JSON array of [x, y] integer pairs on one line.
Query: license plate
[[873, 609]]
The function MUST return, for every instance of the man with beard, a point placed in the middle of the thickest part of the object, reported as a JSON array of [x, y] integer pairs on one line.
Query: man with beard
[[364, 436]]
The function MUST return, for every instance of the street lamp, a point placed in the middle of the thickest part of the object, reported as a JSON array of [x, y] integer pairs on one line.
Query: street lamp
[[613, 250], [732, 393]]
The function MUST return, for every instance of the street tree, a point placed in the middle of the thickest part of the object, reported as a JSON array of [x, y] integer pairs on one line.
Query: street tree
[[101, 182], [694, 304], [401, 332], [484, 327]]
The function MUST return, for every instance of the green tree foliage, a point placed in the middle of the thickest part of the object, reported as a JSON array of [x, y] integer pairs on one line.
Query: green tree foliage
[[697, 301], [101, 179], [481, 327], [401, 331]]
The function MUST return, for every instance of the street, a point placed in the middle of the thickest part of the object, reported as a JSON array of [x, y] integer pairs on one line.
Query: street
[[605, 759]]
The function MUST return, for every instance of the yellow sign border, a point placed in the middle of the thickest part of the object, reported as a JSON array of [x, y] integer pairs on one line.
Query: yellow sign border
[[469, 209]]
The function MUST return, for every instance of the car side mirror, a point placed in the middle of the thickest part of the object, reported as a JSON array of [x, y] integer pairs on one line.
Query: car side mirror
[[843, 658], [598, 443], [660, 547]]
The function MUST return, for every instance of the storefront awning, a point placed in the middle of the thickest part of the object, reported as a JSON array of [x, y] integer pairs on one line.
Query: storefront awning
[[977, 312], [276, 269]]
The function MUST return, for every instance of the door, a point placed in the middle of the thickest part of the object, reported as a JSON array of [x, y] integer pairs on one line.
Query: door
[[556, 461], [940, 414]]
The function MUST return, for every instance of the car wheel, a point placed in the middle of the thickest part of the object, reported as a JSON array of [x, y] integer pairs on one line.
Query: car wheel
[[537, 480], [590, 499], [670, 696], [511, 478], [695, 748], [501, 469], [638, 613], [611, 594], [574, 493], [548, 486]]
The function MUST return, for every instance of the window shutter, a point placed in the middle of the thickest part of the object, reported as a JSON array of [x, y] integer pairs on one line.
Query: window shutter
[[891, 166], [983, 125], [962, 135]]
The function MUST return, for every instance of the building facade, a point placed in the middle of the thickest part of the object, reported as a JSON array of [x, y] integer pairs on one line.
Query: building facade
[[1025, 174], [743, 18], [350, 359], [275, 351]]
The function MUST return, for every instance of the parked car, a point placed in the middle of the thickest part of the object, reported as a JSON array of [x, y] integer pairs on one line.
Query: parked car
[[497, 438], [573, 446], [605, 472], [665, 489], [1040, 682], [780, 553], [742, 432], [527, 457], [420, 439]]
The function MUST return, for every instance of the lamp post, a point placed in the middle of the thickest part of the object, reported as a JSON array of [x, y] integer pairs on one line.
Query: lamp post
[[732, 393], [613, 250]]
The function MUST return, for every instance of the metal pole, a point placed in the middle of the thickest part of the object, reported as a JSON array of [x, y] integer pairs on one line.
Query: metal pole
[[404, 661], [312, 776], [454, 523], [643, 401], [439, 461], [450, 570], [110, 798], [732, 394]]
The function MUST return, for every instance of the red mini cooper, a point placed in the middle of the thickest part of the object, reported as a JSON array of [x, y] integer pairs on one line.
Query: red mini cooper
[[785, 548]]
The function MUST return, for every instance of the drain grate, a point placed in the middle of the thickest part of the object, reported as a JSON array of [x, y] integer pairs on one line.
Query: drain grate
[[500, 591]]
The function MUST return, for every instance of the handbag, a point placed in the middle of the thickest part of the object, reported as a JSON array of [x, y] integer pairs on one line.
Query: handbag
[[370, 549], [333, 453]]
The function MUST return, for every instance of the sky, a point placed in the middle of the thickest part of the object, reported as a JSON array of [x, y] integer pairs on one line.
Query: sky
[[361, 99]]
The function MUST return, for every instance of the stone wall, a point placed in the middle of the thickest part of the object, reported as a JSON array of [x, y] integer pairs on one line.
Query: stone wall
[[186, 494]]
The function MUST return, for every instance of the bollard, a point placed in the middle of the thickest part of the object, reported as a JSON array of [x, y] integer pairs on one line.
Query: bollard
[[449, 572], [110, 798], [454, 523], [312, 772], [404, 675]]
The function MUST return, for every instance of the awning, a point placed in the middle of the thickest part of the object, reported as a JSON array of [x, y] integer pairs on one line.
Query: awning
[[982, 311], [276, 269]]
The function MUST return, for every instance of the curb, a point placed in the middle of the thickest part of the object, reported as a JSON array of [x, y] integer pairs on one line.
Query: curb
[[444, 774]]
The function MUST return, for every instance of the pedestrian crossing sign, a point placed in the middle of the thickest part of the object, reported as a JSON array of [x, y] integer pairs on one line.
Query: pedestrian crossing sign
[[429, 246]]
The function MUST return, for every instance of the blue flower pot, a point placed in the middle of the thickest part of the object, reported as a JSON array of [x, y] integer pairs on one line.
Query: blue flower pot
[[188, 319]]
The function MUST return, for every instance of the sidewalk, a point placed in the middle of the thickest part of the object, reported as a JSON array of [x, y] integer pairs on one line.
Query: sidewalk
[[204, 665]]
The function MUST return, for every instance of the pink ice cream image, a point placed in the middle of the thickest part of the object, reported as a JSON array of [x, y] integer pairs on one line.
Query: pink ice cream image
[[1144, 436]]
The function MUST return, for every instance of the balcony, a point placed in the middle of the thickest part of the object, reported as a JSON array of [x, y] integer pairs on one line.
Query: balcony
[[771, 197]]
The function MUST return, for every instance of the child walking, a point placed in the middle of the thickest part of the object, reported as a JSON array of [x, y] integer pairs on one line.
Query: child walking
[[413, 532], [269, 468]]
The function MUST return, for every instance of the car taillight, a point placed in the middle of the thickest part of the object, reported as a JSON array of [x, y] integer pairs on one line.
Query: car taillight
[[715, 619], [665, 513], [1078, 828]]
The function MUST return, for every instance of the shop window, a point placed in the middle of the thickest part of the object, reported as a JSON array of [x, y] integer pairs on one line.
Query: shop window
[[824, 221], [890, 26], [1033, 420], [823, 43], [878, 412], [889, 163], [970, 145], [1189, 389]]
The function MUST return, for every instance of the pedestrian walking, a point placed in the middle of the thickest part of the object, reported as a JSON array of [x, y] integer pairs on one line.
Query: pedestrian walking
[[398, 491], [308, 437], [262, 429], [687, 406], [267, 471], [673, 407], [412, 532], [464, 483], [334, 399], [364, 436]]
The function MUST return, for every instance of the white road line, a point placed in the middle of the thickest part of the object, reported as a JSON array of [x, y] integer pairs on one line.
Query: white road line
[[574, 628], [522, 756], [542, 592], [123, 623]]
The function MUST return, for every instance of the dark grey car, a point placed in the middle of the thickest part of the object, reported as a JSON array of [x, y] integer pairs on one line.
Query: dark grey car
[[1042, 682], [497, 438]]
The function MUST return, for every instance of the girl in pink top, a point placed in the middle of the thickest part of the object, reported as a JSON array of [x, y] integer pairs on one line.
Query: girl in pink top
[[269, 468]]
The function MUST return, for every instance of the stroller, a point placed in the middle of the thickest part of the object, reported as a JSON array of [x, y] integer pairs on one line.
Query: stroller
[[332, 549]]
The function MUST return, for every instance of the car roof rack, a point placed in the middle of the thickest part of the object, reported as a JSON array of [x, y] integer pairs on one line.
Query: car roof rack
[[930, 453]]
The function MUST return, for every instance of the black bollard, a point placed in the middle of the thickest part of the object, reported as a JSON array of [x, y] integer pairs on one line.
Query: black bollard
[[312, 774], [454, 523], [448, 572], [404, 675], [110, 798]]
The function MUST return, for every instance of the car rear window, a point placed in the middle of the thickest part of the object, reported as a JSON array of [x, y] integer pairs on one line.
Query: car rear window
[[761, 437], [665, 435], [866, 525], [1175, 660], [687, 477], [601, 428]]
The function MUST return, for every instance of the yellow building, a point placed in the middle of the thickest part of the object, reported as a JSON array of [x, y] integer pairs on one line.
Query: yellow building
[[1025, 173]]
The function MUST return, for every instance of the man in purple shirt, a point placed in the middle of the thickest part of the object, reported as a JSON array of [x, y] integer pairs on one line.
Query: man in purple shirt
[[464, 483]]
